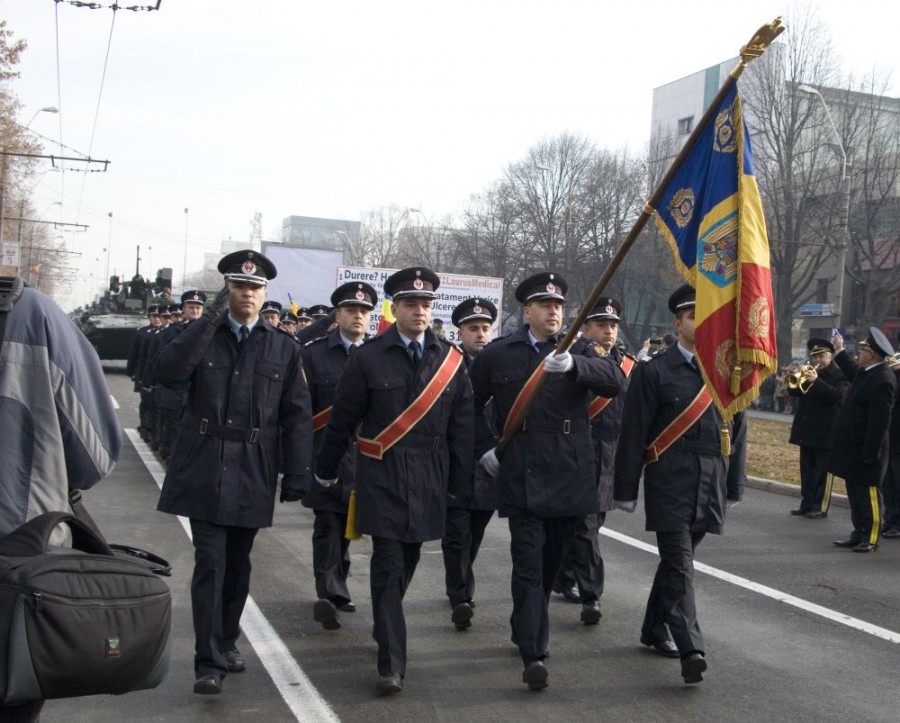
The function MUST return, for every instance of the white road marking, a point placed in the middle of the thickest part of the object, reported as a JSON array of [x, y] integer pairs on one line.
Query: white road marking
[[295, 688], [771, 592], [115, 403]]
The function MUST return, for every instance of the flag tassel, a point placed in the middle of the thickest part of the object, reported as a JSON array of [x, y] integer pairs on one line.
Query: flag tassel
[[350, 531], [726, 441]]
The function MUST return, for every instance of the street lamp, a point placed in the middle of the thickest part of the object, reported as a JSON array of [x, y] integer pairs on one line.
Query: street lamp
[[845, 181], [109, 246], [356, 256], [47, 109]]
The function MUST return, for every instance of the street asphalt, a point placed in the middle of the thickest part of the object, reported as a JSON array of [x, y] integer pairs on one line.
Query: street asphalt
[[796, 629]]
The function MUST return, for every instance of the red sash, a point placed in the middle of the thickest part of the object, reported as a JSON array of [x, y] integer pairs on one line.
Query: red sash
[[681, 424], [321, 419], [523, 394], [413, 414], [598, 404]]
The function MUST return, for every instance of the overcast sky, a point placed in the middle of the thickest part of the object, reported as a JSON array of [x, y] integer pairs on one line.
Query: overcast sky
[[334, 108]]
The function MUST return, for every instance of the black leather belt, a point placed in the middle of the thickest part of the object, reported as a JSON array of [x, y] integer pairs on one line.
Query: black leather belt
[[566, 426], [707, 449]]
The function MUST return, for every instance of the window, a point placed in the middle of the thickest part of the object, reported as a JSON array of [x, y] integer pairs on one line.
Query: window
[[821, 291], [685, 126]]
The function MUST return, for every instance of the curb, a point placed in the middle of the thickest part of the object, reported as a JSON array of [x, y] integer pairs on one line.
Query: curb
[[783, 488]]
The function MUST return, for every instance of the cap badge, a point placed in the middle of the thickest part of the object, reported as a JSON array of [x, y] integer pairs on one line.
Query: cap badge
[[551, 288], [477, 309], [417, 284], [610, 309], [418, 272], [360, 295], [248, 267]]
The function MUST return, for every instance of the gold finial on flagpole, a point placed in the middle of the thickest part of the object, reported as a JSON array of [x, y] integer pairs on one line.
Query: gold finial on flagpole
[[761, 40]]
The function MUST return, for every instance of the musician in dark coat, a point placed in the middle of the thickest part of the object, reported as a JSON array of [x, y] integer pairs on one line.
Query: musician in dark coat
[[468, 518], [686, 486], [324, 360], [402, 492], [583, 568], [248, 417], [546, 472], [815, 418], [860, 453]]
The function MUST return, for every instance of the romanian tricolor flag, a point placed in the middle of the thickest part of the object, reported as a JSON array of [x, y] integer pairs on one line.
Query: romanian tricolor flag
[[295, 308], [711, 214], [387, 318]]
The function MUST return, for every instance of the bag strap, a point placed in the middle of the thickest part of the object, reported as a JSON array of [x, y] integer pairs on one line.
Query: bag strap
[[33, 538]]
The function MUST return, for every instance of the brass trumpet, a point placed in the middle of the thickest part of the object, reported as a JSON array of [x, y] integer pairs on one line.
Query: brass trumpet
[[803, 378]]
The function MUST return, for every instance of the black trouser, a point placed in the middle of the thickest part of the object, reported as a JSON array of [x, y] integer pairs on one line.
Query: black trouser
[[583, 566], [890, 487], [865, 512], [147, 411], [392, 569], [460, 545], [331, 556], [21, 713], [538, 548], [671, 598], [219, 591], [167, 427], [813, 475]]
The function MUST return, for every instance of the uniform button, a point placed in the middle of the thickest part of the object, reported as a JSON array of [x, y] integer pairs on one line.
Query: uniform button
[[229, 421], [236, 373]]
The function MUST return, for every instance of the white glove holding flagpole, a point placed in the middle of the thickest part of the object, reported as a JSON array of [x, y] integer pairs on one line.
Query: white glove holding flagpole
[[559, 363]]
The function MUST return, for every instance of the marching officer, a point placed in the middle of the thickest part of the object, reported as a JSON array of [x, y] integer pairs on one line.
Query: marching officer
[[546, 473], [271, 312], [134, 367], [583, 567], [468, 518], [860, 454], [303, 319], [408, 393], [324, 360], [673, 434], [815, 417], [289, 322], [247, 419]]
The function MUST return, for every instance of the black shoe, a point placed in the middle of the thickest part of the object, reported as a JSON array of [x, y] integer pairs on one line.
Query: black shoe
[[462, 616], [666, 648], [800, 512], [388, 684], [590, 613], [471, 602], [569, 593], [326, 613], [891, 533], [208, 684], [535, 675], [692, 667], [347, 607], [864, 547], [816, 515], [846, 543], [235, 661]]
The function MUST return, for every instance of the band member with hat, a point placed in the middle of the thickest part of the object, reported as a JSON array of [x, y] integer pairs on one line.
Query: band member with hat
[[817, 402], [468, 518], [860, 454], [672, 434], [408, 395], [583, 568], [135, 365], [546, 472], [248, 417], [270, 312], [324, 360]]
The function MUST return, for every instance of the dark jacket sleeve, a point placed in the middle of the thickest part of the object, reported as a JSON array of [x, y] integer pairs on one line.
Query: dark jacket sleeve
[[351, 402], [878, 417], [479, 374], [827, 392], [601, 375], [461, 440], [637, 418], [178, 361], [737, 462], [295, 421], [846, 363]]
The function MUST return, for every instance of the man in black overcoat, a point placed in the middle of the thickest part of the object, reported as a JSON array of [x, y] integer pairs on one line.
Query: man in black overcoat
[[324, 360], [401, 491], [815, 418], [468, 518], [891, 482], [248, 417], [860, 453], [686, 487], [546, 472]]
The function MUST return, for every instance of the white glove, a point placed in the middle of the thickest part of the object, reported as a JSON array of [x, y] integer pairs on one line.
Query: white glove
[[490, 463], [559, 363], [625, 505], [325, 482]]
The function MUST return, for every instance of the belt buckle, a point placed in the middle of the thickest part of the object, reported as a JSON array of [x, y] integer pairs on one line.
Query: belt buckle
[[254, 435], [567, 426], [204, 423]]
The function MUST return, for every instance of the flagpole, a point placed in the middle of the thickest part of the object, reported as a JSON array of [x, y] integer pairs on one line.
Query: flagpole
[[753, 49]]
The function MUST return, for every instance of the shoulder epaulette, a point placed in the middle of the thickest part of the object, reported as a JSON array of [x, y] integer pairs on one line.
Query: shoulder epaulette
[[314, 341]]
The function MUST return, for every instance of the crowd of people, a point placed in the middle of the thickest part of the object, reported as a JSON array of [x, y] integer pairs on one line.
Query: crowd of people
[[408, 438]]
